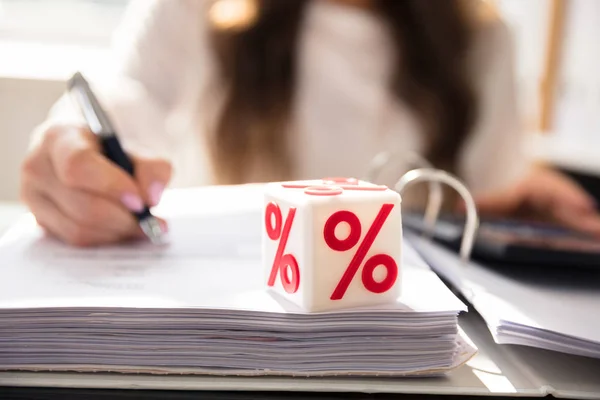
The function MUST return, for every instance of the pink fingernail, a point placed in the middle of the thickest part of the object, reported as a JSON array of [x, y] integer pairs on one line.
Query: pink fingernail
[[155, 191], [132, 202], [164, 227]]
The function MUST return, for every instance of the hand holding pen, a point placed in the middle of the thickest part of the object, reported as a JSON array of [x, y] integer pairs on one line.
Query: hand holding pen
[[83, 188]]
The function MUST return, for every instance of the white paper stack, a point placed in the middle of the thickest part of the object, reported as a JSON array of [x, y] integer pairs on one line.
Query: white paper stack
[[553, 310], [198, 305]]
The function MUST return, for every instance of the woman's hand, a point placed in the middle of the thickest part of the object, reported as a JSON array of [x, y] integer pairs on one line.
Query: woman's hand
[[545, 194], [78, 195]]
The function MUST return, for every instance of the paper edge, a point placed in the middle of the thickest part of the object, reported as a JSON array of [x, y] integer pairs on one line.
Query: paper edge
[[460, 360]]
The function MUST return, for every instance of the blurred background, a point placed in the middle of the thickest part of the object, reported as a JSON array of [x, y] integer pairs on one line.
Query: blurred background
[[42, 42]]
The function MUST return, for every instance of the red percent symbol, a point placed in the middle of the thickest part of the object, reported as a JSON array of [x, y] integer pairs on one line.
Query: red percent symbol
[[284, 264], [349, 242]]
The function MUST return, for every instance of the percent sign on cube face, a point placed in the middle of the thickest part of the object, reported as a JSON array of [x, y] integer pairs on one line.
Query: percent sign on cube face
[[286, 265], [350, 241], [311, 263]]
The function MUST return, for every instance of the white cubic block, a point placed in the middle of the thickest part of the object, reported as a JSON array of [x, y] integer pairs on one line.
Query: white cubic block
[[333, 243]]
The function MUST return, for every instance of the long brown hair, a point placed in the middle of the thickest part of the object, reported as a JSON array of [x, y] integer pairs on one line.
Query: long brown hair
[[259, 68]]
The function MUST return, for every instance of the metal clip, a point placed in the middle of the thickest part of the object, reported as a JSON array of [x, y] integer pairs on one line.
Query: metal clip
[[435, 197], [436, 175]]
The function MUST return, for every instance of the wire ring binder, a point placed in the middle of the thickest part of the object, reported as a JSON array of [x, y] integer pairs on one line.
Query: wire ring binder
[[440, 176], [435, 197]]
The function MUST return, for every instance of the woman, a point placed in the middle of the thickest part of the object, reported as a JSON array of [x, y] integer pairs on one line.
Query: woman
[[294, 89]]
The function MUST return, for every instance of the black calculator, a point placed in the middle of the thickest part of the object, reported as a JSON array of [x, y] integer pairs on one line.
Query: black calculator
[[515, 242]]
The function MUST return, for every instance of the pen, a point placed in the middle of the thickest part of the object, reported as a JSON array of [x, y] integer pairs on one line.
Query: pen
[[101, 126]]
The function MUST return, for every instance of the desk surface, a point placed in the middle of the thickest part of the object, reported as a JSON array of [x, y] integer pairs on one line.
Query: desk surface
[[497, 370]]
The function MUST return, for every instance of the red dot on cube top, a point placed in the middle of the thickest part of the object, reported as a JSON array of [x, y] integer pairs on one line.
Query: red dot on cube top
[[284, 264], [323, 190], [334, 243], [340, 181]]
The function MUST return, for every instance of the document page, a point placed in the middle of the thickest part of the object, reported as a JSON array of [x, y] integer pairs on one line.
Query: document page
[[557, 310]]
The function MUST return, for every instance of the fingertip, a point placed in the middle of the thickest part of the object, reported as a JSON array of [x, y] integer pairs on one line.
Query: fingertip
[[163, 225], [153, 177], [584, 222], [132, 202], [155, 191], [588, 203]]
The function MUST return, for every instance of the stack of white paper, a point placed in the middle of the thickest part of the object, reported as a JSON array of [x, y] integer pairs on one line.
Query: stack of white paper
[[198, 305], [553, 310]]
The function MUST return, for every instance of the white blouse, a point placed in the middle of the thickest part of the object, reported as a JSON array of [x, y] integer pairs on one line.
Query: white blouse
[[163, 66]]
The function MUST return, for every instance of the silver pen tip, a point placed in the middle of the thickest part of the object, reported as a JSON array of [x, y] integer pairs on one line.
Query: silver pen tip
[[152, 229]]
